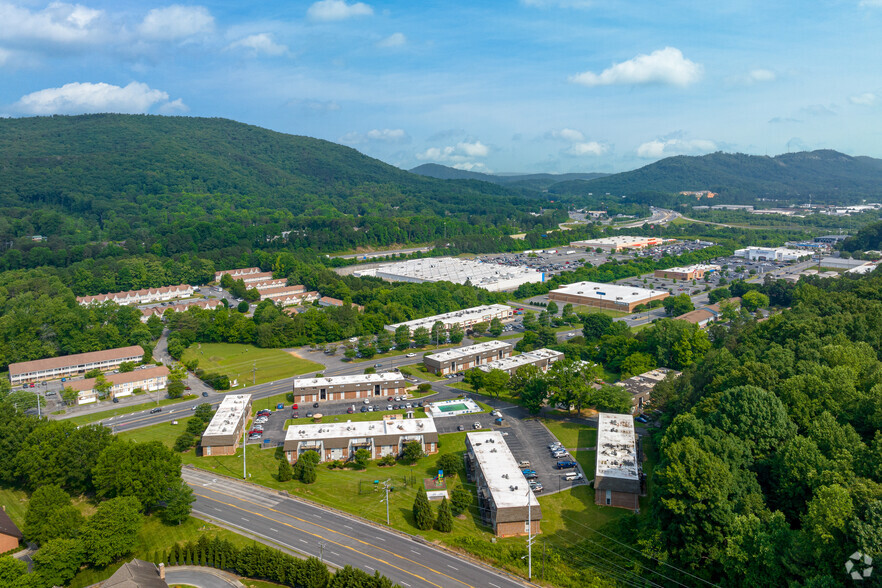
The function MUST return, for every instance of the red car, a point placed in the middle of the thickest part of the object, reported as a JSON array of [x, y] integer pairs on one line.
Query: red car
[[389, 399], [295, 406]]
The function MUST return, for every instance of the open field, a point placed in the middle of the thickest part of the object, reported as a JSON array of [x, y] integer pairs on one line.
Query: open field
[[237, 362], [584, 309]]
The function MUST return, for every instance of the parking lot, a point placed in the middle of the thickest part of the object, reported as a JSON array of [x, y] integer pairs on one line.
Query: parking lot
[[273, 429]]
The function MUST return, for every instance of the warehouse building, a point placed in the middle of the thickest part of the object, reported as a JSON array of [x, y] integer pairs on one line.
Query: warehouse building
[[143, 296], [464, 358], [349, 387], [611, 296], [464, 318], [340, 441], [771, 254], [53, 368], [490, 276], [227, 426], [505, 500], [691, 272], [617, 475], [641, 386], [236, 274], [148, 379], [541, 358], [621, 243]]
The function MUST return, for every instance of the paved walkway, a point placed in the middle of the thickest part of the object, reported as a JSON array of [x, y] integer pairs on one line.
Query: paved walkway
[[201, 577]]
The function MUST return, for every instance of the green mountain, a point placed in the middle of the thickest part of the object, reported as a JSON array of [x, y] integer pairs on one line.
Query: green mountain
[[826, 175], [193, 184], [535, 182]]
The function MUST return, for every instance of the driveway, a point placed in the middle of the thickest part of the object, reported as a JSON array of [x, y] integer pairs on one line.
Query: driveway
[[200, 577]]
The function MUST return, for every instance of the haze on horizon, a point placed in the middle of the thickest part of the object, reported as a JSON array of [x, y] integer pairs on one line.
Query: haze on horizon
[[518, 86]]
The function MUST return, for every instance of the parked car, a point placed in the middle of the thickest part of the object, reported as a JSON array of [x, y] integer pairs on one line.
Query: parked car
[[315, 404], [309, 415], [295, 415], [378, 365], [527, 471], [205, 394], [460, 428], [390, 399], [496, 413], [364, 409], [555, 445], [350, 410], [498, 421], [367, 401], [389, 407], [565, 465], [535, 486], [115, 399], [477, 425], [641, 419], [523, 464], [295, 406], [532, 476]]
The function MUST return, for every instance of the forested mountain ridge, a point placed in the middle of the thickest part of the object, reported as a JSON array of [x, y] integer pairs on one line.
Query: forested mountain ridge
[[526, 181], [176, 184], [825, 174]]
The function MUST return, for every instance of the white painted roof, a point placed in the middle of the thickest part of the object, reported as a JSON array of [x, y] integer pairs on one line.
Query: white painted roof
[[350, 429], [612, 292], [527, 358], [616, 446], [469, 350], [452, 269], [507, 484], [228, 415], [353, 379], [471, 316]]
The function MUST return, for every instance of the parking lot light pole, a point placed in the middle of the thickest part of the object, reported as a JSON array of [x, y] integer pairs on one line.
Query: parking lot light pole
[[244, 467]]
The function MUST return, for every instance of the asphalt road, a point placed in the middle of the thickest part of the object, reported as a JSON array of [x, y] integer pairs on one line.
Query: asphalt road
[[339, 539]]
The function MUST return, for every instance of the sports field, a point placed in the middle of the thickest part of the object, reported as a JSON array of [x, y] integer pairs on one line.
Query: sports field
[[238, 361]]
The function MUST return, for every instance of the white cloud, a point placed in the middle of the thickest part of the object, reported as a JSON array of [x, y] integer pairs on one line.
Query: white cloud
[[4, 56], [471, 166], [259, 43], [865, 99], [665, 66], [462, 153], [393, 40], [871, 3], [77, 98], [587, 148], [761, 75], [664, 148], [174, 107], [568, 135], [176, 22], [376, 135], [338, 10], [58, 23]]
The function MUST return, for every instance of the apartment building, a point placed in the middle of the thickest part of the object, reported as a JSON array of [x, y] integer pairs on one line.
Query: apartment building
[[505, 499], [223, 433], [617, 475], [354, 387], [236, 274], [641, 386], [340, 441], [465, 358], [53, 368], [148, 379], [464, 318], [143, 296], [541, 358], [160, 311]]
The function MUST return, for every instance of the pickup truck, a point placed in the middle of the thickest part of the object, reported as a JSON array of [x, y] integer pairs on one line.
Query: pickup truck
[[565, 465], [528, 472]]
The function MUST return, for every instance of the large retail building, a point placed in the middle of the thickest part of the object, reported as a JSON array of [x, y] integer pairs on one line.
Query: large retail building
[[621, 243], [610, 296]]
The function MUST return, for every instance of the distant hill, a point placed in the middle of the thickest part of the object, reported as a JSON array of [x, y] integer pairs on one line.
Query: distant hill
[[824, 174], [199, 183], [527, 181]]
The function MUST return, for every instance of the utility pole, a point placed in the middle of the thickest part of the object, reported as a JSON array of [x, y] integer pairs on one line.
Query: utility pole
[[529, 534], [254, 373], [322, 551], [244, 467], [386, 499]]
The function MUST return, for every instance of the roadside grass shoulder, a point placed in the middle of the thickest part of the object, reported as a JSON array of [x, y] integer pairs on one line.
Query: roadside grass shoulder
[[237, 361], [96, 417]]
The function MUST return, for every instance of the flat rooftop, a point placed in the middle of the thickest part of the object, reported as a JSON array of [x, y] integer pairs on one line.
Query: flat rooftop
[[500, 470], [640, 382], [621, 241], [473, 315], [228, 415], [351, 429], [616, 447], [469, 350], [452, 269], [692, 268], [509, 363], [353, 379], [614, 292]]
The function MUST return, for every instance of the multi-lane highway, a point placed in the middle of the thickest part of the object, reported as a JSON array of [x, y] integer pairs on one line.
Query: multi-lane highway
[[339, 539]]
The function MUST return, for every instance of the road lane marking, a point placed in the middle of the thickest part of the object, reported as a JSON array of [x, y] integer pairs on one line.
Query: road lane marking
[[452, 568], [342, 546], [379, 539], [273, 530], [246, 520], [339, 544]]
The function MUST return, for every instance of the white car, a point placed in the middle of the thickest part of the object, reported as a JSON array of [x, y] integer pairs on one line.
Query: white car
[[367, 401], [410, 355]]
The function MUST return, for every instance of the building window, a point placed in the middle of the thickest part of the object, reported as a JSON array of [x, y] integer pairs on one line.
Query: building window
[[608, 497]]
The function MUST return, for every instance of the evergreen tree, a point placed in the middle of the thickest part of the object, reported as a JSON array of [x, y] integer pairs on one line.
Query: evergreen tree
[[308, 474], [445, 518], [422, 511], [461, 499], [285, 472]]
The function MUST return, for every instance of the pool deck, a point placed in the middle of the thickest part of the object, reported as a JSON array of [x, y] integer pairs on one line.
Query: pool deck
[[447, 408]]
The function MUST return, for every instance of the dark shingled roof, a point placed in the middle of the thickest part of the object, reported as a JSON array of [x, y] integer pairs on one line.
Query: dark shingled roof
[[136, 574], [7, 527]]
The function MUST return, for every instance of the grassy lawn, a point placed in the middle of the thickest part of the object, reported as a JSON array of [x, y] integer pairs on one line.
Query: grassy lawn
[[237, 361], [420, 371], [166, 433], [583, 309], [85, 419], [378, 358], [16, 503], [574, 436], [499, 338], [272, 401]]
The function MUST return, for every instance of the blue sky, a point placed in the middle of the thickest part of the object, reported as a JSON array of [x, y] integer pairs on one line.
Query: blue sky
[[516, 86]]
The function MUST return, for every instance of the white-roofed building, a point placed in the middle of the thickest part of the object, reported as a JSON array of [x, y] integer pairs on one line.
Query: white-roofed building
[[464, 358], [505, 500], [465, 318], [541, 358], [333, 441], [312, 389], [222, 435], [613, 244], [617, 474], [490, 276], [610, 296]]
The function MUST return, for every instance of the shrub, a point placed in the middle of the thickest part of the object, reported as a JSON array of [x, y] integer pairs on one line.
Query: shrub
[[184, 442], [388, 460], [460, 499], [422, 511], [444, 523], [285, 472]]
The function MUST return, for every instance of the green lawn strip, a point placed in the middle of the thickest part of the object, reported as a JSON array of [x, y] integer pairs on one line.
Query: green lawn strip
[[379, 357], [422, 373], [572, 435], [249, 583], [585, 309], [94, 417], [506, 396], [155, 536], [237, 362], [271, 402], [499, 338], [165, 433], [16, 503]]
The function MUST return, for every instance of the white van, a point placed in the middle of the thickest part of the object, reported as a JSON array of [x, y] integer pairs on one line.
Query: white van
[[573, 475]]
